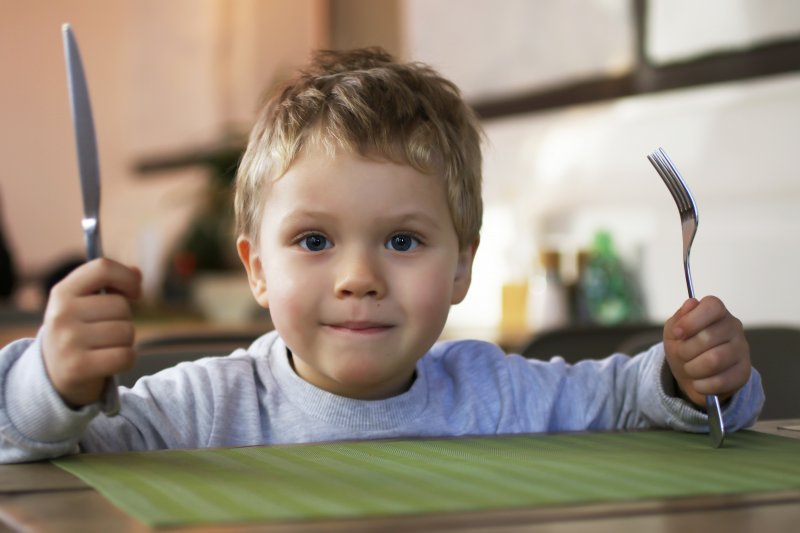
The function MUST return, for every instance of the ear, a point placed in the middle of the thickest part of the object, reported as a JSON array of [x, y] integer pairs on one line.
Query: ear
[[463, 277], [255, 270]]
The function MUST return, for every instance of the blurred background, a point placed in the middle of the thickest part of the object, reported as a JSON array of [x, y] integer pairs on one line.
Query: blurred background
[[573, 95]]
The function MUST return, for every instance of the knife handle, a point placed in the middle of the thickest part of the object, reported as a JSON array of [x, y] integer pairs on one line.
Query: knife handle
[[111, 396], [91, 237], [94, 249]]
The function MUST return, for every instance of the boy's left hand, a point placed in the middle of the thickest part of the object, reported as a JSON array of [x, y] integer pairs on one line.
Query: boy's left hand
[[706, 350]]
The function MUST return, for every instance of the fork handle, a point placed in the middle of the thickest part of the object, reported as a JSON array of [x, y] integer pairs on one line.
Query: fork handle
[[716, 426], [688, 273]]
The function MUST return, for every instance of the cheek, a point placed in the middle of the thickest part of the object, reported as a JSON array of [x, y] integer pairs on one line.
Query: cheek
[[431, 292], [287, 291], [295, 290], [291, 309]]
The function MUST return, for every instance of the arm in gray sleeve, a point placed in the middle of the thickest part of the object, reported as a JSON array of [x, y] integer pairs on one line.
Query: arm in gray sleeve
[[206, 402], [621, 392], [173, 409], [35, 423]]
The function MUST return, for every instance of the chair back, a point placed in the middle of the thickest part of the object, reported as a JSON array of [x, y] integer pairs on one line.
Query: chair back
[[775, 353], [575, 343], [156, 354]]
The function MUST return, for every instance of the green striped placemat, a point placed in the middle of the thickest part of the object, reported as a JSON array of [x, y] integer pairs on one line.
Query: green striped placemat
[[356, 479]]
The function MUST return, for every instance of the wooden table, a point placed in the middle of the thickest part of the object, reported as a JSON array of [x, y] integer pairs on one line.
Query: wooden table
[[41, 497]]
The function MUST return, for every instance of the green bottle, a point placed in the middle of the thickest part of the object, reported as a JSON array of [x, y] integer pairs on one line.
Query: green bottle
[[608, 294]]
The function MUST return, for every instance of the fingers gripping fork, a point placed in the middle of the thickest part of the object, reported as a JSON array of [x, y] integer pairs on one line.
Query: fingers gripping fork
[[687, 209]]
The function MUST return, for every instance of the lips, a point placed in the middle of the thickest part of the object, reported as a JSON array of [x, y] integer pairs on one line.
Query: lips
[[362, 327]]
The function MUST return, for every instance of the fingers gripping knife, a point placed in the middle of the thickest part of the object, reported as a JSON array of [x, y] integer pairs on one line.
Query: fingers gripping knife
[[89, 172], [688, 212]]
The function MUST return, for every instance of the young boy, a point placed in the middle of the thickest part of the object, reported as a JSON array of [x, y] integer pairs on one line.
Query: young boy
[[358, 205]]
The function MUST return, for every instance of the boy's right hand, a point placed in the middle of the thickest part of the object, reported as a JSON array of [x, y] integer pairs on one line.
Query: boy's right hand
[[88, 335]]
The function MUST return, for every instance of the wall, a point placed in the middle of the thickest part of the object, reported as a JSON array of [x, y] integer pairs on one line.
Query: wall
[[164, 77], [554, 178], [568, 173], [170, 76]]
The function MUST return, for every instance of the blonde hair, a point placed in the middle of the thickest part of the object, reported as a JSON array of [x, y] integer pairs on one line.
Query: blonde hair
[[364, 102]]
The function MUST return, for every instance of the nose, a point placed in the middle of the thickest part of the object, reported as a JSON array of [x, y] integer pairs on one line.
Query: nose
[[359, 275]]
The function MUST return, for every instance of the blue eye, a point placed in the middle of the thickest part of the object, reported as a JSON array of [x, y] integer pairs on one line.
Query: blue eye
[[402, 242], [314, 242]]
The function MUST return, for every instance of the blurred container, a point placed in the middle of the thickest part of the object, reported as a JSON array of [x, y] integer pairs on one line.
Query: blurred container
[[224, 298], [549, 301], [607, 294], [514, 308]]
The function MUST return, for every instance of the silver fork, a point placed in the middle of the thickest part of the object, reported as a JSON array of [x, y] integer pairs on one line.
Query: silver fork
[[687, 208]]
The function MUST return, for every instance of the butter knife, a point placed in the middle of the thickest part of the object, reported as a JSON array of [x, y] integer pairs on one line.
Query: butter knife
[[89, 168]]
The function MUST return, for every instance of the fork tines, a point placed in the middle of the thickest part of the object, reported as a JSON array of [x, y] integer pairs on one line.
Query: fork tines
[[672, 178]]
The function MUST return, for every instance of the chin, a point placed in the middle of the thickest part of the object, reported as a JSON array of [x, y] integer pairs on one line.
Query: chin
[[369, 381]]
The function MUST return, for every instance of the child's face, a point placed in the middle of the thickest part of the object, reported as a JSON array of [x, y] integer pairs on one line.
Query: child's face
[[358, 262]]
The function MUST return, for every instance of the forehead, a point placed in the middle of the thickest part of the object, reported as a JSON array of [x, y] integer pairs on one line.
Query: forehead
[[348, 183]]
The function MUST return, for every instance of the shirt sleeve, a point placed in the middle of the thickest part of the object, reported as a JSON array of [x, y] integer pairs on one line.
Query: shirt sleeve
[[170, 409], [206, 402], [618, 392], [173, 409], [35, 423]]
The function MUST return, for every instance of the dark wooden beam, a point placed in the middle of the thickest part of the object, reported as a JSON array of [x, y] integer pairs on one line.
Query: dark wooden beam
[[771, 59], [645, 77]]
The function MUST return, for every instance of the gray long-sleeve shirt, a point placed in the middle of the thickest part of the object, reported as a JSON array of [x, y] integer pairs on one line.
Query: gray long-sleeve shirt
[[254, 397]]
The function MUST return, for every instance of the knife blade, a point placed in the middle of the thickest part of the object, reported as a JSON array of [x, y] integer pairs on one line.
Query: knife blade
[[89, 169]]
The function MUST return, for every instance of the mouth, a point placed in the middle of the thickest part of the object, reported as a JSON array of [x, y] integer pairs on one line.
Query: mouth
[[359, 327]]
